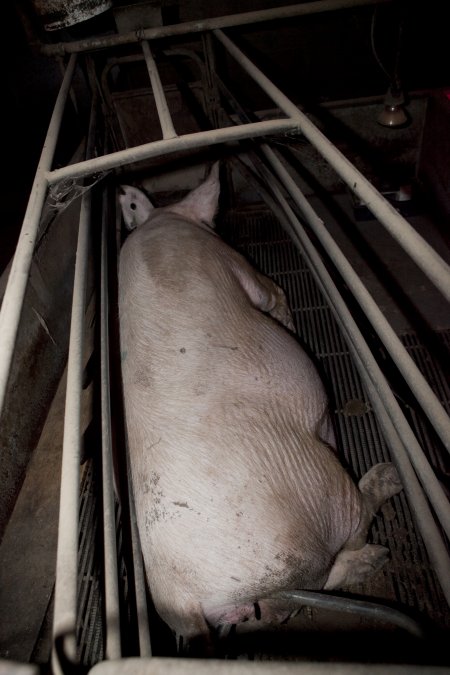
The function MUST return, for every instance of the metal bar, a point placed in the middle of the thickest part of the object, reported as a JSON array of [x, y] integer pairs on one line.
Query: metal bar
[[65, 612], [112, 604], [200, 25], [380, 395], [434, 544], [66, 582], [362, 608], [165, 118], [419, 386], [18, 276], [145, 648], [164, 147], [426, 475], [419, 250]]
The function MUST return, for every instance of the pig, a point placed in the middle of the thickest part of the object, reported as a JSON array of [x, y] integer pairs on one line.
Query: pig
[[238, 489]]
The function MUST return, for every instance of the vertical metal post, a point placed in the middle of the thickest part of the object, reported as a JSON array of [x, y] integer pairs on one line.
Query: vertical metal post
[[112, 605], [65, 610]]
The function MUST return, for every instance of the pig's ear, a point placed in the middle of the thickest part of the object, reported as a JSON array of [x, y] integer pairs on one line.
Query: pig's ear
[[136, 206], [201, 204]]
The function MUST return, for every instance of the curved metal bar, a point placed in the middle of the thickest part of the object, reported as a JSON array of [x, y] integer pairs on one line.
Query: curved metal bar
[[112, 604], [370, 610], [198, 139]]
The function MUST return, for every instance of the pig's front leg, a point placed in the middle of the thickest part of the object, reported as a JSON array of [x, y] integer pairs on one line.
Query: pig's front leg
[[265, 295]]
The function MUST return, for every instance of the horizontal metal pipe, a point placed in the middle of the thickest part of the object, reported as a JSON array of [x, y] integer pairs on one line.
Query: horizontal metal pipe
[[419, 250], [198, 139], [244, 18], [20, 270], [380, 395], [65, 610], [165, 119], [419, 386]]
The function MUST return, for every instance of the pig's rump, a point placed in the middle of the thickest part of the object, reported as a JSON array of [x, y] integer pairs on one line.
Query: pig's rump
[[236, 494]]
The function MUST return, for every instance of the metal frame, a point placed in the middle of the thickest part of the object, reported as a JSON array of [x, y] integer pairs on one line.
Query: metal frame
[[398, 433]]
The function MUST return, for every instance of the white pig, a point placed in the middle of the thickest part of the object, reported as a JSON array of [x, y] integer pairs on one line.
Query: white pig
[[238, 490]]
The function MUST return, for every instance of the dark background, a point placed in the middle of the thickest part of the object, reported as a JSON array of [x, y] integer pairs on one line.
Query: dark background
[[314, 59]]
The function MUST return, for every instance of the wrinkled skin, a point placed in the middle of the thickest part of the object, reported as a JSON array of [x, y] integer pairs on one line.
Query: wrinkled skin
[[238, 490]]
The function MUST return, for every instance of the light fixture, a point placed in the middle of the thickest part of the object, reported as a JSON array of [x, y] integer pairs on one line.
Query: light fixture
[[393, 114]]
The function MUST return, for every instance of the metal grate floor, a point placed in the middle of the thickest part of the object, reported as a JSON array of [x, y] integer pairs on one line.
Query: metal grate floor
[[90, 628]]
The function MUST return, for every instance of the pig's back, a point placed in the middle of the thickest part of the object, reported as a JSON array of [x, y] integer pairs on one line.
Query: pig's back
[[222, 409], [190, 324]]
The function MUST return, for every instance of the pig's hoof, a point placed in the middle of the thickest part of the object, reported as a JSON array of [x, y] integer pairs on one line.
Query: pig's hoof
[[379, 484], [282, 313], [354, 567]]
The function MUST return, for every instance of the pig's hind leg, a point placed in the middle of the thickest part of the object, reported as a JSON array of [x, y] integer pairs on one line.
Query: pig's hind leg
[[359, 560]]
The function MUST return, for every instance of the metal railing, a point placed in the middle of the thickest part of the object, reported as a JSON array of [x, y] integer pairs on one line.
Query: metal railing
[[409, 456]]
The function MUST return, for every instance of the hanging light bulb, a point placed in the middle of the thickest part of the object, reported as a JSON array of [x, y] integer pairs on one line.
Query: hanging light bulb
[[393, 114]]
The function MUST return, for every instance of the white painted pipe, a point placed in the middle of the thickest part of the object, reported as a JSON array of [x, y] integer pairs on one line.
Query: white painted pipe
[[419, 386], [112, 604], [165, 119], [65, 610], [426, 475], [66, 582], [385, 404], [420, 251]]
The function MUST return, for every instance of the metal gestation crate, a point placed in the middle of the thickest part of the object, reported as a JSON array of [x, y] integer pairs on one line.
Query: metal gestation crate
[[102, 608]]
